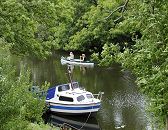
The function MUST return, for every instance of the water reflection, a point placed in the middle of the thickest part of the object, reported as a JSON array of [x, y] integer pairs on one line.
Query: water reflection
[[73, 122], [82, 68]]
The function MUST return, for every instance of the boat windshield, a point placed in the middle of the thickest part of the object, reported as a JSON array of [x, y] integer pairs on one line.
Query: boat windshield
[[75, 85], [63, 88]]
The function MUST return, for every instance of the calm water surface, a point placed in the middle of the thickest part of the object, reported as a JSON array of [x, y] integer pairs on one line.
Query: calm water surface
[[123, 107]]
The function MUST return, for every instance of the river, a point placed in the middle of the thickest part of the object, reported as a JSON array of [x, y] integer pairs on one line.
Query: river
[[123, 106]]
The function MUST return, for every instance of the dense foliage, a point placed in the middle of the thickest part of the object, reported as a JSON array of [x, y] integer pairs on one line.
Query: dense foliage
[[36, 27], [148, 57], [18, 105], [133, 33]]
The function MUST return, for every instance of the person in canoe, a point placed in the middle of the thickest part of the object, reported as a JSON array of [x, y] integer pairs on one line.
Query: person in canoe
[[71, 56], [82, 57]]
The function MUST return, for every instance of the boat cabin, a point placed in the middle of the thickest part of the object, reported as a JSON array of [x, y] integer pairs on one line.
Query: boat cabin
[[69, 93]]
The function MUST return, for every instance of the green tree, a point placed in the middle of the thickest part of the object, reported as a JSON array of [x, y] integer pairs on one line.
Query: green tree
[[148, 57], [26, 26], [18, 105]]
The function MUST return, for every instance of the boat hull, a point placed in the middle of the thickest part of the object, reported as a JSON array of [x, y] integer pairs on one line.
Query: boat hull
[[73, 109]]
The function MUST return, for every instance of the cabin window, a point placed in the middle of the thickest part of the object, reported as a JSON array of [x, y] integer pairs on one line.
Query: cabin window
[[80, 98], [63, 88], [89, 96], [68, 99]]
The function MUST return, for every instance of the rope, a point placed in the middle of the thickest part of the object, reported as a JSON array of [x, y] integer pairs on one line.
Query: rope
[[86, 120]]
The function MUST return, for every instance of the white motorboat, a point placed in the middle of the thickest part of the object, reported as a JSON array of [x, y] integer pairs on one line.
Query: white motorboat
[[76, 62], [71, 99]]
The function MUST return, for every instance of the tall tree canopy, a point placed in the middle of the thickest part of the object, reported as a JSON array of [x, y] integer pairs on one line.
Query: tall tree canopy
[[148, 56], [36, 27]]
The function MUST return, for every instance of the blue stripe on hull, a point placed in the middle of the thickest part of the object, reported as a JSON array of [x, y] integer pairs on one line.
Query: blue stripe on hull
[[75, 108]]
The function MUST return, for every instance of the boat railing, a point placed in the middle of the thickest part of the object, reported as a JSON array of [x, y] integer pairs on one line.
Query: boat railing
[[99, 95]]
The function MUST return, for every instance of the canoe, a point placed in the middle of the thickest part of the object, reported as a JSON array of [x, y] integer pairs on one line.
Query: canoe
[[76, 62]]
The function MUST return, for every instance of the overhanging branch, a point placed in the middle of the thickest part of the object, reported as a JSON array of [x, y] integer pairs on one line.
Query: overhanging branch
[[122, 8]]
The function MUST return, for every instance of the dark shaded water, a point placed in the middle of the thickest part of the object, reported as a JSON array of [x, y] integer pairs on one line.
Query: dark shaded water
[[123, 107]]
